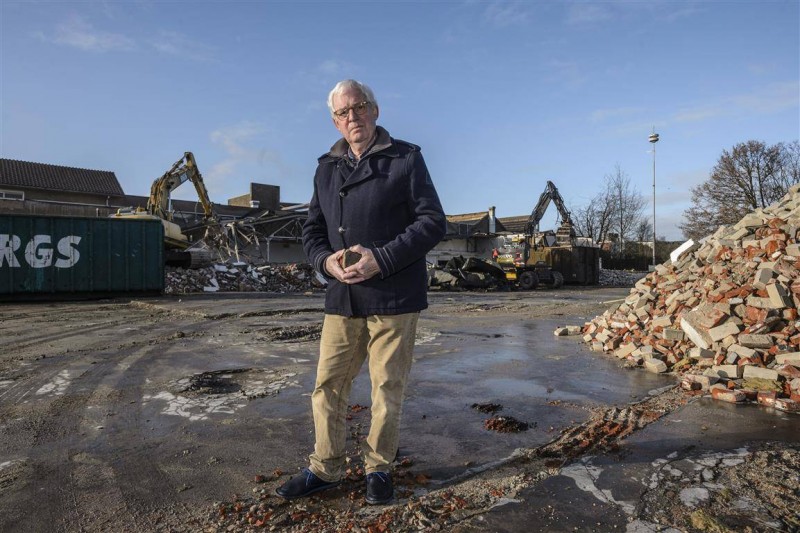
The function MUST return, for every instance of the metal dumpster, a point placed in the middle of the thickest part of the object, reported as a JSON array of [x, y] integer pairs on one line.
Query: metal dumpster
[[48, 256], [578, 264]]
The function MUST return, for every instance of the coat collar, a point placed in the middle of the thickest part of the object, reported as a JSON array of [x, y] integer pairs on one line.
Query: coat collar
[[383, 143]]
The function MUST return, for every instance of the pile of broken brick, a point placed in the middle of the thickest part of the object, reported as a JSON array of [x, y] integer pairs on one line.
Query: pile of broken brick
[[722, 314], [241, 277]]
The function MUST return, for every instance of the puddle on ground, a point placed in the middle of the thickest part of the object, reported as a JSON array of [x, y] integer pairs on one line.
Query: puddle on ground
[[528, 387]]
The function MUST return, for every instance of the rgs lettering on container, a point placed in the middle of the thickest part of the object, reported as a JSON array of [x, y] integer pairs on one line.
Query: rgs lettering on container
[[39, 252]]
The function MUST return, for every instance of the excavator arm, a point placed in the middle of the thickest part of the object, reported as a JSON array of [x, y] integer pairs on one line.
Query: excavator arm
[[550, 193], [185, 169]]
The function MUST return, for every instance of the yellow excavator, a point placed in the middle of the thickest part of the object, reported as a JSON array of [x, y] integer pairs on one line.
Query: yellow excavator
[[526, 258], [176, 243]]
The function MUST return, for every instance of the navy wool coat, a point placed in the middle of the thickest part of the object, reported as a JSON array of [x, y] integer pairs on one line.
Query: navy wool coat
[[387, 204]]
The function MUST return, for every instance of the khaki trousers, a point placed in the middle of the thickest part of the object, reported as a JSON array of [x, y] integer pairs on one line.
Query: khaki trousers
[[388, 342]]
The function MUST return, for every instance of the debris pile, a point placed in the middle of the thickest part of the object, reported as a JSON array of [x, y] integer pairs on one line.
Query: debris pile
[[469, 273], [722, 313], [241, 277], [619, 278]]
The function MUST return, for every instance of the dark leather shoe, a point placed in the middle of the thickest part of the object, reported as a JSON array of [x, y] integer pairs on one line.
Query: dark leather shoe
[[304, 484], [379, 488]]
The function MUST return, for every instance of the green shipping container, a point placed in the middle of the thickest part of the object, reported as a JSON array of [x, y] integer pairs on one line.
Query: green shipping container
[[82, 257]]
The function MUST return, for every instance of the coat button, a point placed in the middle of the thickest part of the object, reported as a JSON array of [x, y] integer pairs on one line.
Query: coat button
[[342, 193], [341, 229]]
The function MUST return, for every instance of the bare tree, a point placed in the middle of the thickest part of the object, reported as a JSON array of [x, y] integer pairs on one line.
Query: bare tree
[[644, 230], [593, 221], [789, 172], [628, 205], [749, 176], [615, 213]]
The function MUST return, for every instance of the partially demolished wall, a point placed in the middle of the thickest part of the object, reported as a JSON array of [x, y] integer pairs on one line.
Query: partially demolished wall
[[723, 314]]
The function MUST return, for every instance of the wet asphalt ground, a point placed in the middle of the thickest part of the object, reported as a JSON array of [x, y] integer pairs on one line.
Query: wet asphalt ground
[[144, 415]]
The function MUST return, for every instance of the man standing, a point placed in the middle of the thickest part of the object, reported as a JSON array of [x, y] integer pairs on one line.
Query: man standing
[[374, 199]]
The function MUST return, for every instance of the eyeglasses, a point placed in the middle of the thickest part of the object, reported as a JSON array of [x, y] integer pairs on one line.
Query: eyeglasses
[[360, 109]]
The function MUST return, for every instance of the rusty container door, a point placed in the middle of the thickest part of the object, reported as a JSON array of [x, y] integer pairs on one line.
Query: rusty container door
[[44, 256]]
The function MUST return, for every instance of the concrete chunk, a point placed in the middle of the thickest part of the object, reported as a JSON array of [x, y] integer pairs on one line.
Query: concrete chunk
[[700, 353], [672, 334], [763, 276], [625, 350], [662, 321], [695, 333], [793, 250], [760, 303], [779, 296], [704, 381], [788, 359], [655, 365], [720, 332], [741, 351], [755, 341], [739, 234], [727, 371], [751, 371]]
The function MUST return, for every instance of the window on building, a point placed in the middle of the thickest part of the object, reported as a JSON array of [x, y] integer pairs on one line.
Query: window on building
[[11, 195]]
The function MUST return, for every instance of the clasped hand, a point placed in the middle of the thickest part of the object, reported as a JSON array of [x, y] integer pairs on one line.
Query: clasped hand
[[366, 267]]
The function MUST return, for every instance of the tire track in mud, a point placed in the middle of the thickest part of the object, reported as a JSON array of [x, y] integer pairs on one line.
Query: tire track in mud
[[39, 337], [53, 434], [94, 475], [130, 461]]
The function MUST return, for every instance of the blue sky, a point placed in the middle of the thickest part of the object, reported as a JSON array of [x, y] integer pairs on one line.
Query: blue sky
[[502, 96]]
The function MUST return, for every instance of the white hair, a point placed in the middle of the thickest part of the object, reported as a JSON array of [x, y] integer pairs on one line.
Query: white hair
[[343, 85]]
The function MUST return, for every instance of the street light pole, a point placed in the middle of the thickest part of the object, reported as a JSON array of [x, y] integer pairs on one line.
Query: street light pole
[[654, 139]]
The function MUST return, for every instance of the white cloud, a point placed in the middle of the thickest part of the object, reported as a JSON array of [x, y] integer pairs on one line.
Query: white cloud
[[698, 114], [769, 99], [504, 14], [330, 66], [773, 98], [764, 100], [235, 140], [179, 45], [243, 155], [333, 69], [760, 69], [584, 13], [78, 33]]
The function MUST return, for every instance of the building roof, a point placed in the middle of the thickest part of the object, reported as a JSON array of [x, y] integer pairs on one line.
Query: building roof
[[514, 224], [467, 217], [471, 224], [57, 178]]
